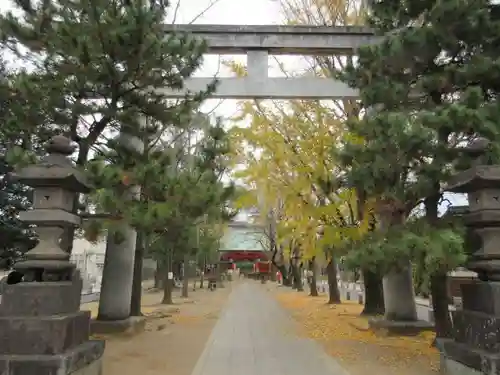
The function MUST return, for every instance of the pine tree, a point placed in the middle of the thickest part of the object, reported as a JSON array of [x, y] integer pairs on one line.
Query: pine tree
[[17, 130], [16, 236], [432, 84], [180, 188], [101, 66]]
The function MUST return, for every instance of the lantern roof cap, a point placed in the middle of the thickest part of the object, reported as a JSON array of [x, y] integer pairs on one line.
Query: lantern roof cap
[[479, 177], [55, 169]]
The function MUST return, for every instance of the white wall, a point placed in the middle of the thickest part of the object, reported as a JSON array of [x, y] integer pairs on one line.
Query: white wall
[[89, 259]]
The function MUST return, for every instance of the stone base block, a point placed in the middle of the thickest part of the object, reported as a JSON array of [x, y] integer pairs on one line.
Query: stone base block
[[82, 360], [41, 299], [477, 330], [451, 367], [386, 327], [130, 326], [481, 296], [44, 335], [455, 355], [94, 368]]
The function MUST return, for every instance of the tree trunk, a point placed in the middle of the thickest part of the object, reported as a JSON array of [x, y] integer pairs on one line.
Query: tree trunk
[[374, 293], [286, 278], [372, 280], [168, 282], [68, 236], [438, 287], [202, 272], [313, 287], [159, 276], [333, 287], [168, 286], [185, 279], [135, 303], [281, 268], [439, 298], [297, 280], [291, 276], [202, 279], [284, 274]]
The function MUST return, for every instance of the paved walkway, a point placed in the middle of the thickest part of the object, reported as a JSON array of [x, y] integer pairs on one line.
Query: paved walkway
[[255, 336]]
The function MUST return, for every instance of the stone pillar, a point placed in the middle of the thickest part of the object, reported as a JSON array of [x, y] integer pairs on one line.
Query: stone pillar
[[399, 296], [400, 316], [43, 330], [474, 347], [118, 272], [117, 275]]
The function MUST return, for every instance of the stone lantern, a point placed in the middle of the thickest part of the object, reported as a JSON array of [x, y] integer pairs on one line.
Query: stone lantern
[[475, 344], [55, 181], [42, 329]]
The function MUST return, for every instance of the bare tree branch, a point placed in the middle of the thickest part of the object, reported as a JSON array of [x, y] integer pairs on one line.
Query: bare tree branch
[[202, 13], [176, 11]]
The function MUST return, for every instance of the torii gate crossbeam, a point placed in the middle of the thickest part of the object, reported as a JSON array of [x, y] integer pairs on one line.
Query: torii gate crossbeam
[[258, 42]]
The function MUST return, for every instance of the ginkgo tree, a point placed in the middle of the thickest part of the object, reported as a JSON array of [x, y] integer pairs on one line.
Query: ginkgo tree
[[295, 141], [293, 163]]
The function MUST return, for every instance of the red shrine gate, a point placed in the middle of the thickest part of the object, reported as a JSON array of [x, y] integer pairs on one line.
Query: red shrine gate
[[243, 247]]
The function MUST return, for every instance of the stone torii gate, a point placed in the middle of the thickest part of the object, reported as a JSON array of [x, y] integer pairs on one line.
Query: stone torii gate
[[260, 41], [257, 42]]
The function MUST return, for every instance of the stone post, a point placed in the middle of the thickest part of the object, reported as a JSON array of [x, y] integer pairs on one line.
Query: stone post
[[118, 274], [400, 316], [474, 347], [43, 330]]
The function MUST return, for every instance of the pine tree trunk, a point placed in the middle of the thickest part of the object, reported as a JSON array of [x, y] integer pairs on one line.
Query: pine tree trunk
[[438, 287], [333, 287], [185, 279], [372, 280], [439, 298], [374, 294], [168, 286], [135, 303], [168, 281], [159, 275], [68, 236]]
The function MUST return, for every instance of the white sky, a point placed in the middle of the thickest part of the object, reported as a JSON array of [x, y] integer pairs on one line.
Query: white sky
[[232, 12]]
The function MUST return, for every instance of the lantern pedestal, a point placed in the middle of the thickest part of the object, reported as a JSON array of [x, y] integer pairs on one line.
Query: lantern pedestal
[[45, 333], [42, 329], [474, 346]]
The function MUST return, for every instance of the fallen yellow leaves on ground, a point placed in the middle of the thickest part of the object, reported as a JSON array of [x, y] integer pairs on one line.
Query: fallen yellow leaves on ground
[[186, 319], [346, 335]]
